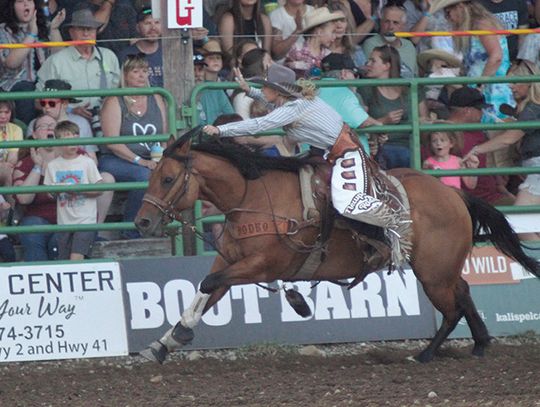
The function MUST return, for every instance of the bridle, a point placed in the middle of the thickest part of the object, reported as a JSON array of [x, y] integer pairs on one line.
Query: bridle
[[167, 205]]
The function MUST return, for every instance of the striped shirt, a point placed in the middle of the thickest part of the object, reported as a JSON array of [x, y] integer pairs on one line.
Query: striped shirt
[[305, 121]]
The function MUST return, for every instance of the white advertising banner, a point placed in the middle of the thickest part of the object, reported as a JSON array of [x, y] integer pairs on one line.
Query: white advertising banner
[[61, 311], [184, 13]]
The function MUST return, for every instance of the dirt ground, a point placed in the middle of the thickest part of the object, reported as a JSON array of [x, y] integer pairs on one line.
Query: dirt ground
[[368, 374]]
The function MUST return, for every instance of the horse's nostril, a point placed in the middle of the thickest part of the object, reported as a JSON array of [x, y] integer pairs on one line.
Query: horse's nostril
[[143, 223]]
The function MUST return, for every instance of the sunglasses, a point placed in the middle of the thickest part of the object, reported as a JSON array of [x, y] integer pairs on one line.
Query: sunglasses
[[50, 103]]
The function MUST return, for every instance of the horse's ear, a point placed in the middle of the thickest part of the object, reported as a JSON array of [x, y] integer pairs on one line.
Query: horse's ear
[[184, 149], [171, 140]]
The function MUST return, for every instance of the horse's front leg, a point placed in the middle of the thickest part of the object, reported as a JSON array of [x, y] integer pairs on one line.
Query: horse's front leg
[[212, 289]]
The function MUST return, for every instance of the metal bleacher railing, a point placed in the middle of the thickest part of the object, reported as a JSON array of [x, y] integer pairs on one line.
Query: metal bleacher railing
[[190, 114]]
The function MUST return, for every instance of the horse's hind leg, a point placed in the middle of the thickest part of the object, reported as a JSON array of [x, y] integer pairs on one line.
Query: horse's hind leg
[[444, 300], [474, 320]]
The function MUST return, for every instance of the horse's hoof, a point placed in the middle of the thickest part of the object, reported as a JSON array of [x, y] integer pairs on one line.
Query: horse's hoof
[[182, 335], [156, 352], [424, 356]]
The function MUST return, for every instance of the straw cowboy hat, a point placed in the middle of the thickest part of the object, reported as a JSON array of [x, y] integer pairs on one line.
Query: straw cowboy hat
[[211, 47], [320, 16], [441, 4], [282, 79], [424, 58], [83, 18]]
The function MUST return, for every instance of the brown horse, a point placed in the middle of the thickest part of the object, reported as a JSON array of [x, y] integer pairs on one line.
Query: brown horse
[[252, 190]]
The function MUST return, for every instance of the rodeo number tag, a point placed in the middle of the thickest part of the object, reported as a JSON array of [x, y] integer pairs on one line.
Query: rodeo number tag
[[184, 13]]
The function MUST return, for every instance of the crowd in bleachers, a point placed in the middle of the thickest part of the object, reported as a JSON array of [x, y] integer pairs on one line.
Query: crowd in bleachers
[[318, 40]]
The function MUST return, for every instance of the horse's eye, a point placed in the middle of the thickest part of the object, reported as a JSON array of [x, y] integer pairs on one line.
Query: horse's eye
[[168, 180]]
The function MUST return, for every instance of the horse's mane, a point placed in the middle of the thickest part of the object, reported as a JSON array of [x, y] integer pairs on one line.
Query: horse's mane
[[248, 159]]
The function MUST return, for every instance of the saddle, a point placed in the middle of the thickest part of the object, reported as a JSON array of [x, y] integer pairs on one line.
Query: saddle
[[317, 204]]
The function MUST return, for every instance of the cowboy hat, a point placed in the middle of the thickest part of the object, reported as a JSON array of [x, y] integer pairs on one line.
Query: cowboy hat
[[281, 79], [320, 16], [211, 47], [55, 85], [441, 4], [425, 57], [83, 18]]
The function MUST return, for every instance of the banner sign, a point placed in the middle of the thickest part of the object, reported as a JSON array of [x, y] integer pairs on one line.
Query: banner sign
[[382, 307], [184, 13], [486, 265], [61, 311], [505, 294]]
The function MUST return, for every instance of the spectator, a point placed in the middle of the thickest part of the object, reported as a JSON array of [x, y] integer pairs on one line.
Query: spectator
[[245, 19], [254, 65], [149, 28], [359, 17], [38, 208], [25, 24], [485, 55], [318, 32], [419, 19], [342, 99], [528, 108], [437, 63], [529, 48], [7, 252], [213, 102], [198, 66], [287, 25], [466, 106], [117, 18], [346, 40], [444, 156], [83, 66], [389, 104], [241, 49], [393, 19], [10, 132], [511, 14], [79, 208], [132, 116], [57, 109]]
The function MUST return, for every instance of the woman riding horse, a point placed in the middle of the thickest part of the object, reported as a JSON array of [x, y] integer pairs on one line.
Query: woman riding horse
[[308, 119]]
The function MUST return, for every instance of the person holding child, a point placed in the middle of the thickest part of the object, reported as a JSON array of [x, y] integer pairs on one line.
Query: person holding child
[[72, 168], [443, 149]]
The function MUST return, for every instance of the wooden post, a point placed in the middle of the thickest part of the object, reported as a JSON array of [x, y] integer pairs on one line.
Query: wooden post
[[179, 79]]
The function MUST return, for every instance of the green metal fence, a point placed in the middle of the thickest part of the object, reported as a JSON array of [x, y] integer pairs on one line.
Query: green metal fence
[[177, 118]]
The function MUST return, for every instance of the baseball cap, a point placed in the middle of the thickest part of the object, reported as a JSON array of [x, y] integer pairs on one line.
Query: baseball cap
[[143, 13], [468, 97], [335, 61], [198, 58]]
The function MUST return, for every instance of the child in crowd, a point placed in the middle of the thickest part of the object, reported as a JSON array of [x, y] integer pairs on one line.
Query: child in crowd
[[9, 132], [443, 146], [73, 208]]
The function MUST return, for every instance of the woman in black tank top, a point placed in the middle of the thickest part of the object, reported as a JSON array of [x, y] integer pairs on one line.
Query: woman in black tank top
[[132, 116], [245, 19]]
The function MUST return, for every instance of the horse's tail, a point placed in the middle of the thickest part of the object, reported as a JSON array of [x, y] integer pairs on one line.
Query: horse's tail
[[491, 224]]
